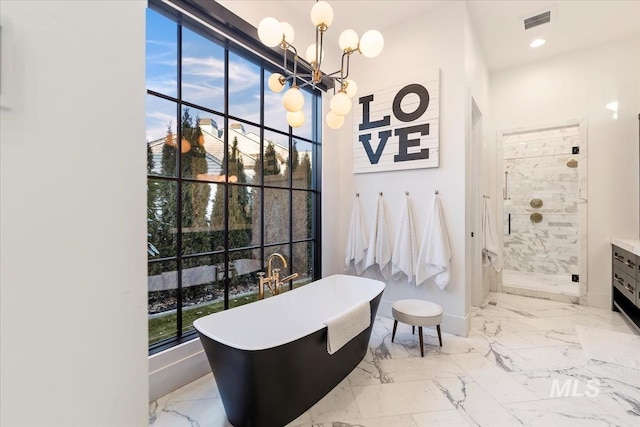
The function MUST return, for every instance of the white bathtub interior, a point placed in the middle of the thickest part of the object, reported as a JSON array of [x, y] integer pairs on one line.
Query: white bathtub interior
[[290, 316]]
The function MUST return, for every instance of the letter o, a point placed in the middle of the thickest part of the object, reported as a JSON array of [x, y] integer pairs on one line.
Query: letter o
[[422, 93]]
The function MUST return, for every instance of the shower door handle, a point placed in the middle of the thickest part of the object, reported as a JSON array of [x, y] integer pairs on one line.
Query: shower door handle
[[505, 190], [509, 228]]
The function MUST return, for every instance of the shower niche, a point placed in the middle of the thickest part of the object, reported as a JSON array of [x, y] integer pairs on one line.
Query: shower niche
[[544, 211]]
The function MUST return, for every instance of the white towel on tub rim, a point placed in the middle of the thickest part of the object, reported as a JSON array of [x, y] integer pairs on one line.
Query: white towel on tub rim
[[345, 326], [357, 240], [405, 248], [379, 251], [435, 250]]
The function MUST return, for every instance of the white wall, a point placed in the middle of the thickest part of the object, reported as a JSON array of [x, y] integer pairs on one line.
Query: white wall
[[433, 41], [73, 268], [576, 86], [478, 172]]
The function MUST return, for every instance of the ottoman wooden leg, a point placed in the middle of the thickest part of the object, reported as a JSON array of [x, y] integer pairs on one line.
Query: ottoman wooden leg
[[395, 325], [421, 342], [439, 335]]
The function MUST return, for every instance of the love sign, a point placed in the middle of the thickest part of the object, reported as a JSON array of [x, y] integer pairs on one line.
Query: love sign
[[397, 128]]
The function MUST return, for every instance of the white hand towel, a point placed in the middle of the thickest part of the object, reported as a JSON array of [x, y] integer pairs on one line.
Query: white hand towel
[[379, 251], [405, 248], [357, 241], [491, 247], [435, 250], [345, 326]]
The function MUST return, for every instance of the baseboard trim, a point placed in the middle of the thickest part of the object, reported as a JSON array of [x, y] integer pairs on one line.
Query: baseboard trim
[[455, 325], [599, 300], [176, 367]]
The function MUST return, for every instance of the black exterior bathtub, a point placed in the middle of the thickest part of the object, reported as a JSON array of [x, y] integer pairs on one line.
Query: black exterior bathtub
[[270, 358]]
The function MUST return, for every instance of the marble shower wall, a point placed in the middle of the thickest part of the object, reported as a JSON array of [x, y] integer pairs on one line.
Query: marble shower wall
[[535, 163]]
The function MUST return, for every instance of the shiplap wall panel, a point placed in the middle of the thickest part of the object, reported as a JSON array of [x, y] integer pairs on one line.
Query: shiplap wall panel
[[394, 156]]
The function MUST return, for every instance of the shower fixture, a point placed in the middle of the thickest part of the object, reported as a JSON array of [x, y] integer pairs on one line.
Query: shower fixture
[[536, 217], [536, 203]]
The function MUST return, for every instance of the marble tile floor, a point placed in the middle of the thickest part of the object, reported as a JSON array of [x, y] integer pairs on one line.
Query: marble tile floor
[[539, 285], [521, 365]]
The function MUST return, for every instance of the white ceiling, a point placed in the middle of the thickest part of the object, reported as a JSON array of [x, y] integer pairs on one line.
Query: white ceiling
[[575, 24]]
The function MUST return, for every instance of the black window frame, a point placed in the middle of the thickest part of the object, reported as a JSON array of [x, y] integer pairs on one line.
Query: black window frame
[[262, 57]]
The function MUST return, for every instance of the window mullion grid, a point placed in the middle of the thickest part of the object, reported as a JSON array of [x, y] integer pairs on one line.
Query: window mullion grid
[[290, 178], [225, 186], [261, 162], [316, 174], [226, 172], [179, 294]]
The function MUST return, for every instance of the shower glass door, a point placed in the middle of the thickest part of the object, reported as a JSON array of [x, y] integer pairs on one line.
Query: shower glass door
[[541, 218]]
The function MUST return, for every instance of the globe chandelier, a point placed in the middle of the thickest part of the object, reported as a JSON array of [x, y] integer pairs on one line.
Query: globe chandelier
[[274, 33]]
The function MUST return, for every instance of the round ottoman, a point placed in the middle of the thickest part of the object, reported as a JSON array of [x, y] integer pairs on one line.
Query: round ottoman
[[417, 312]]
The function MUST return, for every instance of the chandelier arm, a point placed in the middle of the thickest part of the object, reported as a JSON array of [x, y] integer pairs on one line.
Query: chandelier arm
[[347, 54], [284, 58], [286, 46], [293, 48], [307, 83], [319, 49], [342, 76]]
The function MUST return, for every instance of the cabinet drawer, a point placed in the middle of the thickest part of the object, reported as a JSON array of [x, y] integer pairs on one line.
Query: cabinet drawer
[[626, 261], [625, 284]]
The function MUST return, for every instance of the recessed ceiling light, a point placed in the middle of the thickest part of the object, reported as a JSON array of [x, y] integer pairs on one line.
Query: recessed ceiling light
[[537, 43]]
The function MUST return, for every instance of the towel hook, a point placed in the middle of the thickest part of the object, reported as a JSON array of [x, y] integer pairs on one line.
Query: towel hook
[[381, 193], [437, 192], [406, 193], [357, 194]]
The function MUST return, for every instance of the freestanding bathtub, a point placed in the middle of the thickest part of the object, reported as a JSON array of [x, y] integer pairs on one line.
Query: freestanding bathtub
[[270, 358]]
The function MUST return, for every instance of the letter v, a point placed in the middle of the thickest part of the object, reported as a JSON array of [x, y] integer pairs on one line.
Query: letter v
[[374, 158]]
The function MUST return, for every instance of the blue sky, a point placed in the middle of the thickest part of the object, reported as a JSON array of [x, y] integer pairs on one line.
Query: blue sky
[[203, 80]]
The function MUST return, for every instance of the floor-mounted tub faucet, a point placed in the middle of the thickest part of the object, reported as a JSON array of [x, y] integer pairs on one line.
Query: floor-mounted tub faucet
[[272, 277]]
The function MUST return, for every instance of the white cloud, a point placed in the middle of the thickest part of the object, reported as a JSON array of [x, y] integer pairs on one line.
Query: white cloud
[[163, 84], [163, 43], [203, 93], [242, 77], [164, 56], [158, 117], [203, 66]]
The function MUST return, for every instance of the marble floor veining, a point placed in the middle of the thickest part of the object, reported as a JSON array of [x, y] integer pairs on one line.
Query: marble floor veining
[[523, 364]]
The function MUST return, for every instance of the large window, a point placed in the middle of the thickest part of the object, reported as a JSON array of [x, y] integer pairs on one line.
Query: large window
[[229, 182]]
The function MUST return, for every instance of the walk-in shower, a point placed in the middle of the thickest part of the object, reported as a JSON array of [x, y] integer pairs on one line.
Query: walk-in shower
[[544, 211]]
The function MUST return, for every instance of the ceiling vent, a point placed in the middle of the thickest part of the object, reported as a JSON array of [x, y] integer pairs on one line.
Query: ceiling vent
[[534, 21]]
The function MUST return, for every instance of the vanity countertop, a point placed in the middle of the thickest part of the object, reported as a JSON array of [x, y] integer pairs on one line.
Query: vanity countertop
[[632, 245]]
